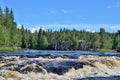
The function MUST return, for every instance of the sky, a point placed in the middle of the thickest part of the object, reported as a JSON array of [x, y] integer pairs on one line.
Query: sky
[[89, 15]]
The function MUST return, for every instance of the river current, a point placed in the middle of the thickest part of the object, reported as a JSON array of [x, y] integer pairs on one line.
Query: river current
[[72, 54]]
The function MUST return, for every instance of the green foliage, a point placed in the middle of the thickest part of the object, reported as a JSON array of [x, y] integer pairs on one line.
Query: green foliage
[[108, 43], [42, 42], [23, 42], [106, 50], [64, 39], [102, 38], [9, 48], [117, 40], [95, 40]]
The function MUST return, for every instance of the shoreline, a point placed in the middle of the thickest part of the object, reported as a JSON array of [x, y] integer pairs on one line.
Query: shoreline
[[18, 48]]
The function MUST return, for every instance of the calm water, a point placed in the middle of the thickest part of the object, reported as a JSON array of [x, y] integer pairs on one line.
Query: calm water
[[74, 54]]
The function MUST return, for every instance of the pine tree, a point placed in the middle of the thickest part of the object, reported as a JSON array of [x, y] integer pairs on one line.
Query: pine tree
[[10, 25], [1, 17], [23, 45], [12, 29], [30, 41], [102, 37], [6, 17]]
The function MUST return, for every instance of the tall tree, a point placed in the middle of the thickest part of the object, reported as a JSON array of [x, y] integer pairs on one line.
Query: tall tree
[[1, 17], [6, 17], [30, 41], [12, 29], [117, 40], [23, 45], [102, 37], [42, 41], [95, 41]]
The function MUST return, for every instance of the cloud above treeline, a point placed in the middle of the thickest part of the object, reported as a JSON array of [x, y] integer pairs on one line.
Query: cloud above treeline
[[86, 27]]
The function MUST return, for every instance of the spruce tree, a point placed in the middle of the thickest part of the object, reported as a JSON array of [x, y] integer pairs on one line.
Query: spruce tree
[[102, 37], [23, 43]]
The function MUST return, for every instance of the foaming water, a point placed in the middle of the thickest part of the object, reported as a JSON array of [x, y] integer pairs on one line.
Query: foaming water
[[59, 65]]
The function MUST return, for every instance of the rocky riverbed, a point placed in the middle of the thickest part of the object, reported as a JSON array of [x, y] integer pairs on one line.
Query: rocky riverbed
[[86, 67]]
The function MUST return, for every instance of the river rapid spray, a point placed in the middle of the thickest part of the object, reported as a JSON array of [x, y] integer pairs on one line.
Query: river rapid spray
[[64, 67]]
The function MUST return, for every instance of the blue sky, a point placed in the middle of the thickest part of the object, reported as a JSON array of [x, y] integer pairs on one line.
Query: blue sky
[[89, 15]]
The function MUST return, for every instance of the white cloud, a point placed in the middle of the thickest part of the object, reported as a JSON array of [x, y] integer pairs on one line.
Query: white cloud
[[37, 29], [113, 27], [62, 11], [89, 30], [88, 27], [19, 26], [33, 29]]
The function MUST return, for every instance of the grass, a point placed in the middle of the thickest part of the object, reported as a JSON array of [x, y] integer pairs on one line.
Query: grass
[[9, 48], [106, 50]]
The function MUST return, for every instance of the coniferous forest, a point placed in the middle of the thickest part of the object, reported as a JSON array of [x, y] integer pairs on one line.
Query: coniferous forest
[[64, 39]]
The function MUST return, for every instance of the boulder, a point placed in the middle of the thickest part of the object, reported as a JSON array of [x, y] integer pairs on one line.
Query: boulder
[[31, 68]]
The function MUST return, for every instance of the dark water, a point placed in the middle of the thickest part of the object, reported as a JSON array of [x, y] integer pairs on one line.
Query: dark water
[[54, 54], [101, 78]]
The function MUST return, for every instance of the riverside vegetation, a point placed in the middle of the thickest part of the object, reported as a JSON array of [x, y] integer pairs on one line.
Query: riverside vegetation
[[12, 37]]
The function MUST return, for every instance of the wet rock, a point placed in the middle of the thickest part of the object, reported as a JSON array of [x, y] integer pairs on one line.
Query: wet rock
[[31, 68], [9, 66], [1, 58], [8, 59], [61, 67], [57, 70]]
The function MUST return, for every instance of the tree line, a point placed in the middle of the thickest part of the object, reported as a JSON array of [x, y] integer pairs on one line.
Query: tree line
[[64, 39]]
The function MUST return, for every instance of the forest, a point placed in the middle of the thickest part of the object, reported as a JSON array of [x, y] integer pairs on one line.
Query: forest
[[64, 39]]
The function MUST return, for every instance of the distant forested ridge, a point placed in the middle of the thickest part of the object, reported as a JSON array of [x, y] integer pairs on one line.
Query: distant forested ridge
[[64, 39]]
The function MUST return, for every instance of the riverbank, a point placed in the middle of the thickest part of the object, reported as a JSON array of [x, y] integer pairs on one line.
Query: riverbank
[[19, 48], [106, 50], [9, 48], [59, 68]]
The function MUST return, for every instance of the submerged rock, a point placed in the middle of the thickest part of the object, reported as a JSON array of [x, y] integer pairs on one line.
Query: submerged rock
[[32, 68], [61, 67]]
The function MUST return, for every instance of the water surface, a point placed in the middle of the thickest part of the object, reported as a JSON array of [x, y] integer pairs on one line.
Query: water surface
[[74, 54]]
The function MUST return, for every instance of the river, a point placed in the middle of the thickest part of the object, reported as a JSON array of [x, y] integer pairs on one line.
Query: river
[[72, 54], [59, 65]]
